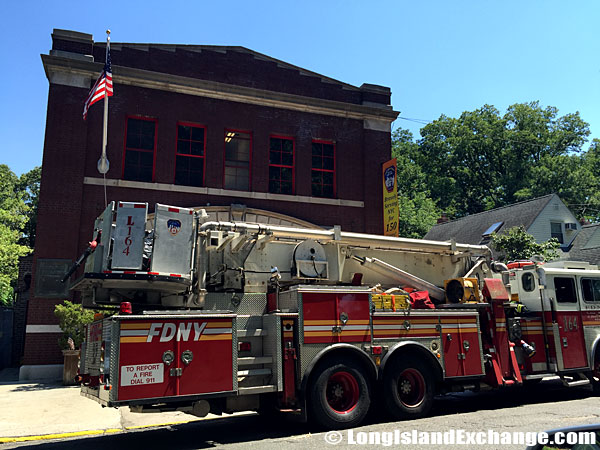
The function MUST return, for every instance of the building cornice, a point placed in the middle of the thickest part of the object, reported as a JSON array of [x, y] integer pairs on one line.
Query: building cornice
[[221, 192], [77, 72]]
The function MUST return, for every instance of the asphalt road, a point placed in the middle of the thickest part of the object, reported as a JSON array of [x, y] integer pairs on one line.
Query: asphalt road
[[541, 407]]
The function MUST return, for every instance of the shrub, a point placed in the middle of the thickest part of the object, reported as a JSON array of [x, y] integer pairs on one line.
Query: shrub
[[72, 320]]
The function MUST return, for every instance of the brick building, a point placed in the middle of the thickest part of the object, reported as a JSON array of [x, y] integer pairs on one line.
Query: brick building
[[193, 125]]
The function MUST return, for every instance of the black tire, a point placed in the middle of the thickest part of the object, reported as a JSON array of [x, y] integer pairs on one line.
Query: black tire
[[595, 385], [594, 376], [339, 395], [408, 388]]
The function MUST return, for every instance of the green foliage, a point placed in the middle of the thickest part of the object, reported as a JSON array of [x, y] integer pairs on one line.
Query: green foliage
[[13, 218], [72, 319], [418, 211], [588, 206], [29, 185], [484, 160], [517, 244]]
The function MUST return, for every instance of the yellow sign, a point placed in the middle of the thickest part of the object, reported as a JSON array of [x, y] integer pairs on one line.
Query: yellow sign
[[390, 199]]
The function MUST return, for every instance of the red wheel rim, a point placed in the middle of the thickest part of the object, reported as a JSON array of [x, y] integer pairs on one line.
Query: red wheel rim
[[411, 388], [342, 392]]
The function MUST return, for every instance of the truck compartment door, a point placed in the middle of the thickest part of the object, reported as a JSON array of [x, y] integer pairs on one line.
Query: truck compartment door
[[568, 326]]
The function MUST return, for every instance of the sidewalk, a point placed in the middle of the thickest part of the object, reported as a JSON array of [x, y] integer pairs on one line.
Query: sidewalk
[[35, 411]]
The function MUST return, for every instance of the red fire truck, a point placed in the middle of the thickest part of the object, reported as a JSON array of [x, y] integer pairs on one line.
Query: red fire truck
[[227, 316]]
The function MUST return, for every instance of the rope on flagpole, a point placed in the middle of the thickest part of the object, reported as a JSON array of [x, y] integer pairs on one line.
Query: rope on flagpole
[[105, 197], [103, 164]]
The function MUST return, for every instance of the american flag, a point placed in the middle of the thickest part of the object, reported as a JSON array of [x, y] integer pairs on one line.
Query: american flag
[[103, 86]]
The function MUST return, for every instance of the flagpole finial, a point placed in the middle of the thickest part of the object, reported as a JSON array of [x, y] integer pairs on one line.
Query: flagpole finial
[[108, 32]]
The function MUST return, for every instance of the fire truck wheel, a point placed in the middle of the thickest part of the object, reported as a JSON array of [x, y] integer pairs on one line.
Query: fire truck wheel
[[340, 395], [595, 377], [408, 388]]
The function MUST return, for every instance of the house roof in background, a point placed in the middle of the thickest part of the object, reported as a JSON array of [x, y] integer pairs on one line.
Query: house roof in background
[[586, 245], [469, 229]]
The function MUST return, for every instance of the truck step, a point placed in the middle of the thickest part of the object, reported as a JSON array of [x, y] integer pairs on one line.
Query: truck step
[[257, 332], [257, 389], [254, 372], [575, 383], [248, 360]]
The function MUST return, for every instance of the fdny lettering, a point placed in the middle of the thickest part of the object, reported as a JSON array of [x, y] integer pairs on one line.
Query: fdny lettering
[[169, 331]]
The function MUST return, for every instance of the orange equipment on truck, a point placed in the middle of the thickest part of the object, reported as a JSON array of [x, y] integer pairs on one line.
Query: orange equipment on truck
[[227, 316]]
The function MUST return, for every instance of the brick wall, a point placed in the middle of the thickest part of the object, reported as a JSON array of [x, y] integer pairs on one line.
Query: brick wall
[[68, 207]]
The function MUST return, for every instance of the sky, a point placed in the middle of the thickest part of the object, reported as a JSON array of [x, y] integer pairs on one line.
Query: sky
[[438, 57]]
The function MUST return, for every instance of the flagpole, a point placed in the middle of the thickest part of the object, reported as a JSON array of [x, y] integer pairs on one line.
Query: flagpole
[[103, 163]]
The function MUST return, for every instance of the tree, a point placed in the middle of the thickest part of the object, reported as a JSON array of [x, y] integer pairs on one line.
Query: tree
[[29, 185], [418, 211], [13, 217], [587, 204], [517, 244], [483, 160]]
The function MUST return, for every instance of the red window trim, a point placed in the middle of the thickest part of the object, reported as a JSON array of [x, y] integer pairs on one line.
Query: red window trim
[[293, 166], [248, 132], [332, 143], [196, 125], [148, 119]]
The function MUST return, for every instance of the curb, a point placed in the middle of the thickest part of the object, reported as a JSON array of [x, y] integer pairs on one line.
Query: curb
[[4, 440]]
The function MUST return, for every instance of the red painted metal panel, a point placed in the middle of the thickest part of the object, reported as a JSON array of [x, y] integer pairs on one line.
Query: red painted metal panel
[[319, 311], [533, 334], [290, 360], [143, 374], [451, 345], [211, 370], [493, 288], [591, 318], [395, 326], [570, 328], [460, 341], [470, 347], [322, 313], [135, 355]]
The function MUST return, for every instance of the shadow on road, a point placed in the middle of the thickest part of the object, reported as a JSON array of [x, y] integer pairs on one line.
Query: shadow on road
[[41, 387], [194, 435], [547, 391], [249, 429]]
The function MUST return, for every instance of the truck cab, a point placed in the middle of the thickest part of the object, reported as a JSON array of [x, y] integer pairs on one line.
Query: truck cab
[[562, 322]]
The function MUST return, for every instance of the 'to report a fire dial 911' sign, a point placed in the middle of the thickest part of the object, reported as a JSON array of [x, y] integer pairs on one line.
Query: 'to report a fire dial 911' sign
[[142, 374]]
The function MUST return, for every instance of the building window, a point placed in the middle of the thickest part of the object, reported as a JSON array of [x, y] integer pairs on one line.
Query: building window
[[189, 155], [281, 165], [556, 231], [323, 169], [140, 145], [238, 153]]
